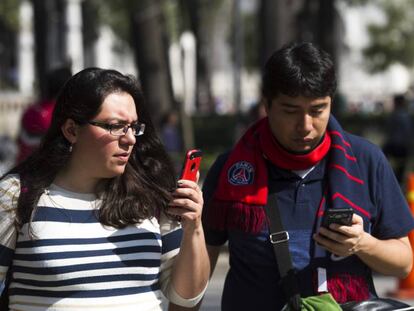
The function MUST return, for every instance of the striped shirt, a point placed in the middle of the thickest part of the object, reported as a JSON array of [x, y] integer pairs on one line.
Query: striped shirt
[[75, 263]]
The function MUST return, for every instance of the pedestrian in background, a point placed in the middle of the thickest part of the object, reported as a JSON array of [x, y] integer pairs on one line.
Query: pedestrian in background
[[171, 137], [301, 160], [399, 131], [170, 132], [37, 116], [87, 223]]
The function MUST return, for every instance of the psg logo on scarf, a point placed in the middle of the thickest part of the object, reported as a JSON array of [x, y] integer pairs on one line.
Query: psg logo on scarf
[[241, 173]]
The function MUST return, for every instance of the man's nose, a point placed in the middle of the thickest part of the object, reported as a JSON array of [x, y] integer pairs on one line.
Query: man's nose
[[305, 124]]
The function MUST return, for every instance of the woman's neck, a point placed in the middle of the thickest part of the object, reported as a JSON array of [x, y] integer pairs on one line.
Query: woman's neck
[[75, 182]]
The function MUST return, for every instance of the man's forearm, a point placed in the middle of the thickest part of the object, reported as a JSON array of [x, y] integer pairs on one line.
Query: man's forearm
[[389, 257]]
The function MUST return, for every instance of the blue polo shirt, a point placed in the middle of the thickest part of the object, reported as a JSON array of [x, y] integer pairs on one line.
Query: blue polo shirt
[[252, 282]]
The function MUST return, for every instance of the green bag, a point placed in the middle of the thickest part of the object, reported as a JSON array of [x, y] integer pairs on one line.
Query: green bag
[[324, 302]]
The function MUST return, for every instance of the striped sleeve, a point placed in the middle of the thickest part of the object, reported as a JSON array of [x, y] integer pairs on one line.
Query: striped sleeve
[[171, 235], [9, 193]]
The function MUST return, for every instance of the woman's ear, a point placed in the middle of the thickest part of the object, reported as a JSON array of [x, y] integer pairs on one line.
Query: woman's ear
[[70, 130]]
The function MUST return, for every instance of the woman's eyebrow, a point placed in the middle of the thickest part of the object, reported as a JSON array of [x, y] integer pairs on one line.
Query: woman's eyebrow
[[121, 121]]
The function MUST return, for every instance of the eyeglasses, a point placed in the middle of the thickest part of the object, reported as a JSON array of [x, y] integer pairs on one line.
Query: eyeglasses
[[119, 129]]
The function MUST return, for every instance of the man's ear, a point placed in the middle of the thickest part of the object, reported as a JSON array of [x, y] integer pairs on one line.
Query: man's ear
[[265, 103], [70, 130]]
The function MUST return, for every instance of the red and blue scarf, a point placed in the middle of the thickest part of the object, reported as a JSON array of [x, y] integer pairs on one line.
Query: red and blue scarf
[[242, 187]]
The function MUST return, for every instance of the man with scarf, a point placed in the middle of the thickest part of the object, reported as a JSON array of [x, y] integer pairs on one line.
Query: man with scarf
[[300, 156]]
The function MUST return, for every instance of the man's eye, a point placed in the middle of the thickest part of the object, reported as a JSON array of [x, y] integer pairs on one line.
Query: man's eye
[[317, 112]]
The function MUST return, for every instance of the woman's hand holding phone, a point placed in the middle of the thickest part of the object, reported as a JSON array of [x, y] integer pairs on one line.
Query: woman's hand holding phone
[[191, 165], [187, 202]]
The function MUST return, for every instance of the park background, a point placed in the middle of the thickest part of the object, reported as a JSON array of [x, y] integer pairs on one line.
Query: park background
[[202, 60]]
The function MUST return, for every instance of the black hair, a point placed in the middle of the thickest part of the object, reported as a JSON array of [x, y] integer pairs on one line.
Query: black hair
[[299, 69], [144, 188]]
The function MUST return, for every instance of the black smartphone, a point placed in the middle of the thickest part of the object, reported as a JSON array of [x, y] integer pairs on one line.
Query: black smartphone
[[341, 216], [191, 164]]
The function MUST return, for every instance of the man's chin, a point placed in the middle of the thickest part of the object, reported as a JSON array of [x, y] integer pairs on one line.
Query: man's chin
[[300, 150]]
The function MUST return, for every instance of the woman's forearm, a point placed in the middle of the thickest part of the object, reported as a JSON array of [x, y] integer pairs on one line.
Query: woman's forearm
[[191, 268]]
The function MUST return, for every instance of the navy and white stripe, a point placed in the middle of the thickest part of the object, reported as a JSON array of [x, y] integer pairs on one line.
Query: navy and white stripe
[[74, 262]]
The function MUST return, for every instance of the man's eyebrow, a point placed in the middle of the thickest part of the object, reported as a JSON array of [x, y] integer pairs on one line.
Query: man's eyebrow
[[289, 105]]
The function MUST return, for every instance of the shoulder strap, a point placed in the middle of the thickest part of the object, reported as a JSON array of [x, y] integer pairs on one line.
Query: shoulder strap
[[280, 242]]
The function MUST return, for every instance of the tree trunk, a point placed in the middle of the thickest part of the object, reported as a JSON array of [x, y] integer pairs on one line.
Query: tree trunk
[[326, 27], [275, 29], [50, 47], [196, 12], [150, 48]]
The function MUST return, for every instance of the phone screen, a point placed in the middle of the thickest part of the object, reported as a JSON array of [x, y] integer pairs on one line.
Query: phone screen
[[341, 216]]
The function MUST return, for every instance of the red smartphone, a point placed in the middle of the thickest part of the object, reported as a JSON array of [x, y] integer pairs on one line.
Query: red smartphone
[[191, 164]]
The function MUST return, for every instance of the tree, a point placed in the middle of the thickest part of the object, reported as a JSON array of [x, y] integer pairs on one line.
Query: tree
[[151, 46], [9, 26], [274, 17], [50, 47], [393, 41], [141, 24], [197, 17]]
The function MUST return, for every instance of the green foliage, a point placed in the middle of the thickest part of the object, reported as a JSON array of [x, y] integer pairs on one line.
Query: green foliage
[[215, 133], [393, 41], [9, 13], [116, 14], [173, 18], [356, 2], [251, 41]]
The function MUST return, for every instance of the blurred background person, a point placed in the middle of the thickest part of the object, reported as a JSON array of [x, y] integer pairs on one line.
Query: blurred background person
[[399, 129], [171, 137], [170, 132], [37, 116]]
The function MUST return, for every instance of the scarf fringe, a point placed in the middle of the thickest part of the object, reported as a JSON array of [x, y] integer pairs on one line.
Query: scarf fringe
[[225, 215], [347, 287]]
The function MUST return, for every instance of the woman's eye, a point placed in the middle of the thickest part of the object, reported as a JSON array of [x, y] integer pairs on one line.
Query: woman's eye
[[117, 126]]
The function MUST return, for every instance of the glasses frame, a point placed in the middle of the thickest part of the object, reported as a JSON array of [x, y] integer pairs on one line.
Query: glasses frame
[[139, 127]]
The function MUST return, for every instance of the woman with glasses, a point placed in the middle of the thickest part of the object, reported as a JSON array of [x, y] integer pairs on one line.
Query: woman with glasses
[[88, 221]]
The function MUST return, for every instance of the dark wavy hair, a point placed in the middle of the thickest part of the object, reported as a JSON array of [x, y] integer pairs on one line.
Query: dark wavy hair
[[299, 69], [139, 193]]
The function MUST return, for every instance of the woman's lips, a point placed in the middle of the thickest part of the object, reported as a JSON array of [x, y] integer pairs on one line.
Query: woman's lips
[[122, 156]]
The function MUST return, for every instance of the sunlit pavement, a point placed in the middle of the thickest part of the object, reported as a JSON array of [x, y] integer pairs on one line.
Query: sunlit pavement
[[211, 302]]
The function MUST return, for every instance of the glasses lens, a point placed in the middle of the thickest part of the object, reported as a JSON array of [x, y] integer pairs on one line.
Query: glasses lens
[[118, 129], [139, 129]]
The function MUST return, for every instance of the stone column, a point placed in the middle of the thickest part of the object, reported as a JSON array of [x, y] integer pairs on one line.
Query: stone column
[[74, 34], [26, 69]]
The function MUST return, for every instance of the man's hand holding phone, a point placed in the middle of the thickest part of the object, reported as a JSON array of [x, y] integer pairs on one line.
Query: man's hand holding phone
[[341, 232]]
